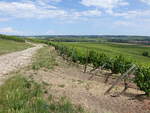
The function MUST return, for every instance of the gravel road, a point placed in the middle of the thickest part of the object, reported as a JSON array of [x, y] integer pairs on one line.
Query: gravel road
[[16, 60]]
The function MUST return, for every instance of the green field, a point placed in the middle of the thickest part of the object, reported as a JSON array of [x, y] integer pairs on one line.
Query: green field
[[7, 46], [111, 49]]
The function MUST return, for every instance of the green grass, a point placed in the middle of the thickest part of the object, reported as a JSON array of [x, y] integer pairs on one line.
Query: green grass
[[132, 51], [8, 46], [45, 58], [19, 95]]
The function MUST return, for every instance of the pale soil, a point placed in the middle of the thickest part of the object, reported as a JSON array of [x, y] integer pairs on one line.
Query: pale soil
[[69, 80], [16, 60]]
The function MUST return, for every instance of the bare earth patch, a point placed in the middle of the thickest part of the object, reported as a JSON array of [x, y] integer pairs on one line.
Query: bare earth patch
[[69, 80], [14, 61]]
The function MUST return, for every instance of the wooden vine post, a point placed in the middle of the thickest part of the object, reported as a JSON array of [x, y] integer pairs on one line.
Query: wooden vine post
[[86, 62], [99, 69], [120, 78]]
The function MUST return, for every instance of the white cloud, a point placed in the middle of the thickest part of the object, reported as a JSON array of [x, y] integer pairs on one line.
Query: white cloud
[[55, 0], [88, 13], [47, 1], [44, 4], [146, 1], [3, 19], [131, 14], [50, 32], [40, 9], [107, 4], [9, 30], [123, 23], [29, 10]]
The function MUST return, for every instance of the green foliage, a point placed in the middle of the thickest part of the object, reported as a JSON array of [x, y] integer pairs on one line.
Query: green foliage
[[109, 63], [19, 95], [145, 53], [121, 64], [35, 40], [113, 50], [73, 55], [45, 58], [142, 79], [118, 64], [82, 59], [64, 106], [100, 60], [14, 38]]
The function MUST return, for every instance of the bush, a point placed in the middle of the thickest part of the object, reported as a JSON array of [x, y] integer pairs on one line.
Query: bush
[[14, 38], [73, 55], [142, 79], [121, 64], [145, 54], [109, 63], [99, 59], [36, 40]]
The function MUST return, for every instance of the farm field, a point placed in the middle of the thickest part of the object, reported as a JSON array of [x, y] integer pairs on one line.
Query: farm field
[[75, 56], [132, 51], [8, 46], [63, 86], [63, 79]]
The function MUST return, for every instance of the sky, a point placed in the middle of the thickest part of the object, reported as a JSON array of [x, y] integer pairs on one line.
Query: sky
[[75, 17]]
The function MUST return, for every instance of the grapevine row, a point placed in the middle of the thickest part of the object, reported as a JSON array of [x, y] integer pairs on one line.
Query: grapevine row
[[119, 64]]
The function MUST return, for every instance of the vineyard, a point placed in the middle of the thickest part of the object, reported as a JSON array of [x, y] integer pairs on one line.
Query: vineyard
[[117, 63], [63, 75], [134, 52]]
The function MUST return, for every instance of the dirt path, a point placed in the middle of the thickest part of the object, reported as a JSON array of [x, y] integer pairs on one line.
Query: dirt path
[[69, 80], [14, 61]]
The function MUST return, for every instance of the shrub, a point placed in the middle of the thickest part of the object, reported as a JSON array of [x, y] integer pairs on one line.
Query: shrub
[[109, 63], [121, 64], [145, 53], [73, 55], [142, 79], [36, 40], [99, 59], [14, 38]]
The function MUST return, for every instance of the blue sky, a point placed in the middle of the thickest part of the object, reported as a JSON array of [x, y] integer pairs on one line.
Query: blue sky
[[75, 17]]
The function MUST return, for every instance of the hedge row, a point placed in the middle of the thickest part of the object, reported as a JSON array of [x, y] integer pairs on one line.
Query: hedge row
[[14, 38], [36, 40]]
